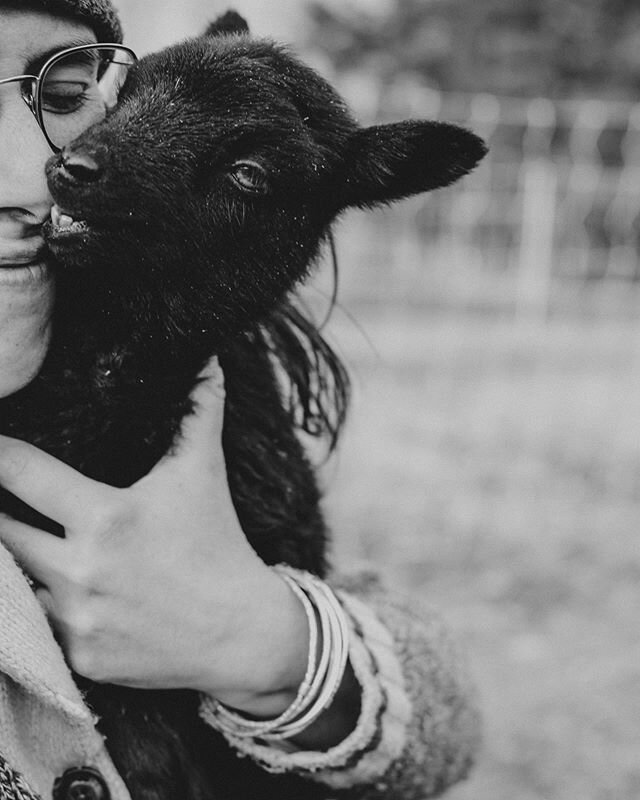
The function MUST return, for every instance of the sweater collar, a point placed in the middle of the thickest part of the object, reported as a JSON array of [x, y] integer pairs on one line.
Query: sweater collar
[[33, 660], [29, 654]]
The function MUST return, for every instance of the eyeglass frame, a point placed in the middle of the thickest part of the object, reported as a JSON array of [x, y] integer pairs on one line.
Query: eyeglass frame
[[33, 100]]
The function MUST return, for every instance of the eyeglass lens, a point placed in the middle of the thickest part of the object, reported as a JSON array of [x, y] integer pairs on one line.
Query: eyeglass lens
[[78, 88]]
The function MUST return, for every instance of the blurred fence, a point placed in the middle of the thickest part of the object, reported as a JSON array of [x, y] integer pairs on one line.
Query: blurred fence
[[550, 220]]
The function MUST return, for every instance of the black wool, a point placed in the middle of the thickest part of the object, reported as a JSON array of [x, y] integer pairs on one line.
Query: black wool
[[205, 198]]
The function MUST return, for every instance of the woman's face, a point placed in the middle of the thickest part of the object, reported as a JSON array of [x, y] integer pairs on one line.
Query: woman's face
[[27, 39]]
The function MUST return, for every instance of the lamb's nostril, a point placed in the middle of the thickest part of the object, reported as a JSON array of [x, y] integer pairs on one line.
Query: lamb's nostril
[[80, 166]]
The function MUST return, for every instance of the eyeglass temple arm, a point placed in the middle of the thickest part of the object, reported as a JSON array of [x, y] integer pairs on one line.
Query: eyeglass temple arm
[[18, 78]]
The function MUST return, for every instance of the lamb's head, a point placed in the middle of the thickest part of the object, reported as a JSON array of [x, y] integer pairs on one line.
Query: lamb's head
[[205, 195]]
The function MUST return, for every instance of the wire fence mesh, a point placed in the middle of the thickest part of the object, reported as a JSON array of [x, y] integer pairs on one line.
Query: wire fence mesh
[[550, 220]]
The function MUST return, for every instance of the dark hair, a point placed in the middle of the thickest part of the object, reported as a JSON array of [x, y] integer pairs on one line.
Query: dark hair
[[315, 381]]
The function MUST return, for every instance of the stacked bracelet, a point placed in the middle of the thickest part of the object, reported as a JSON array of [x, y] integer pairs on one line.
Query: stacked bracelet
[[324, 673]]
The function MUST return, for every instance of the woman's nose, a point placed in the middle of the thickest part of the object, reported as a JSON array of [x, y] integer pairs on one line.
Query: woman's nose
[[23, 154]]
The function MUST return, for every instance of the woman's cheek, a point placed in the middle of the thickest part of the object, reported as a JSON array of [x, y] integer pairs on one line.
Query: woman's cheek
[[25, 330]]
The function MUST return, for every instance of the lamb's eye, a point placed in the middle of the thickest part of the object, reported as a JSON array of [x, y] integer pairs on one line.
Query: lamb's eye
[[250, 177]]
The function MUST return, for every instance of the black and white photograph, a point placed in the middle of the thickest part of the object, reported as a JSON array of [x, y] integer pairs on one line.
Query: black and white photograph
[[319, 399]]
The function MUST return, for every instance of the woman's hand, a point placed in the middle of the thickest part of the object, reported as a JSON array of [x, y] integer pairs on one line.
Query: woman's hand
[[156, 586]]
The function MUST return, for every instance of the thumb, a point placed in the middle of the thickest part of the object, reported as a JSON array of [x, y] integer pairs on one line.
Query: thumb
[[200, 439]]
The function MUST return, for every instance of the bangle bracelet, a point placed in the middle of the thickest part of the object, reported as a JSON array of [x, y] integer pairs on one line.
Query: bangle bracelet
[[232, 722], [323, 675], [336, 648]]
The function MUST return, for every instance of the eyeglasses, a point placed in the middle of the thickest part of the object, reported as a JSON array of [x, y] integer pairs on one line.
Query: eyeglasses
[[74, 89]]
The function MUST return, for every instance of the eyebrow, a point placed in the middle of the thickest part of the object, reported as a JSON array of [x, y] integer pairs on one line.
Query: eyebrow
[[35, 64]]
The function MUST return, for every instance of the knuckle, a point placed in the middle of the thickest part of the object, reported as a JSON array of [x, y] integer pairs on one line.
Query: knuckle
[[112, 517], [81, 634], [210, 389], [81, 625], [212, 373], [83, 662], [81, 574], [216, 385], [89, 579], [14, 460]]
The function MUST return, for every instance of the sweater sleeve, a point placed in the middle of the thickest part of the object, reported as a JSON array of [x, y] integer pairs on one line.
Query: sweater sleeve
[[442, 733], [418, 728]]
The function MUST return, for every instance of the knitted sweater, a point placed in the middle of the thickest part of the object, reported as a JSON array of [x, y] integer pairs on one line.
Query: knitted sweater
[[416, 734]]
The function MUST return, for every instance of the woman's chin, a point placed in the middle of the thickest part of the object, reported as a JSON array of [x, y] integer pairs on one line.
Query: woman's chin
[[25, 330], [19, 369]]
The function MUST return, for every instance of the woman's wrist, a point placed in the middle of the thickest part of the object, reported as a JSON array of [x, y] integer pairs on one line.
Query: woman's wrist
[[280, 685], [269, 644]]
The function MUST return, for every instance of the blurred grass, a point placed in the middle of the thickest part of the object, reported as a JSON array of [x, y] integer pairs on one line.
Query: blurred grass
[[493, 469]]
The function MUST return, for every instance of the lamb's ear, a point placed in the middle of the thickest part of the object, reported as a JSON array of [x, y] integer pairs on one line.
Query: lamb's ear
[[388, 162], [230, 22]]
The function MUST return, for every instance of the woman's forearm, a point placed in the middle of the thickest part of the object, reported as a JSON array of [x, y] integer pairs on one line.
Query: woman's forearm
[[404, 724]]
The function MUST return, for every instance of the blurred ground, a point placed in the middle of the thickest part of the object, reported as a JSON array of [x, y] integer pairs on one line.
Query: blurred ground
[[493, 469]]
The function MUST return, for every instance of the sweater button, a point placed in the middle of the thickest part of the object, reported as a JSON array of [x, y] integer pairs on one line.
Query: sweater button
[[81, 783]]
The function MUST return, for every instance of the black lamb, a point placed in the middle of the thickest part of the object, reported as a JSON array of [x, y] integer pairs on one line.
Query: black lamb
[[198, 205]]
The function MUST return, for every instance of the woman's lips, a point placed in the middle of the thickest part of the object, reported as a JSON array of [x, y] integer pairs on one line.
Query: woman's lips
[[22, 262], [24, 276], [21, 252]]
